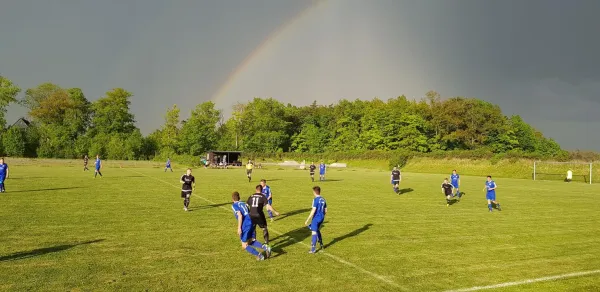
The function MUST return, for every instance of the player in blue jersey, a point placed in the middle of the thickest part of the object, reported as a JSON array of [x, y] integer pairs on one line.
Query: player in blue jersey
[[168, 165], [317, 214], [98, 165], [3, 174], [490, 188], [322, 170], [246, 229], [455, 180], [266, 190]]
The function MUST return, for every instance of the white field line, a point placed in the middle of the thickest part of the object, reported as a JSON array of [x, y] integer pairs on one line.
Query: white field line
[[530, 281], [336, 258]]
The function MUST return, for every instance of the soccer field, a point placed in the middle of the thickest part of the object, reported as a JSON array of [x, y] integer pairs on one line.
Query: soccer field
[[64, 230]]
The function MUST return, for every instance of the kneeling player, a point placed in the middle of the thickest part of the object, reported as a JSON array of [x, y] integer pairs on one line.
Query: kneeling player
[[246, 230], [189, 184], [447, 190], [317, 214], [257, 202], [490, 188]]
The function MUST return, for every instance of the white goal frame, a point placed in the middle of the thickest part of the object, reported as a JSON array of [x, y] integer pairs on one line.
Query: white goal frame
[[535, 163]]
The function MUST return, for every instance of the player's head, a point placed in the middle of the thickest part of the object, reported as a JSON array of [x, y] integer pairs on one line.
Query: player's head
[[317, 190], [489, 178], [395, 168], [446, 180], [259, 188], [97, 155], [263, 182], [188, 171], [1, 160], [235, 196], [454, 171]]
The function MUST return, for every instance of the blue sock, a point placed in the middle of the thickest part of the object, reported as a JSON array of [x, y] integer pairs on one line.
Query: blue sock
[[252, 251], [270, 214], [314, 242], [257, 243], [490, 207], [319, 237]]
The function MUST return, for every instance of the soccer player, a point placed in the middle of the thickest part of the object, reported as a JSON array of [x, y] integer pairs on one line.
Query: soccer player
[[322, 170], [569, 175], [455, 179], [312, 169], [249, 167], [98, 165], [447, 190], [266, 190], [257, 202], [246, 230], [168, 165], [188, 185], [396, 177], [490, 188], [317, 214], [85, 163], [3, 174]]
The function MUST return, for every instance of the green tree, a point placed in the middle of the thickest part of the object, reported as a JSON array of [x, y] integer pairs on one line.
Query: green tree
[[200, 131], [34, 96], [111, 114], [14, 142], [8, 94], [170, 131]]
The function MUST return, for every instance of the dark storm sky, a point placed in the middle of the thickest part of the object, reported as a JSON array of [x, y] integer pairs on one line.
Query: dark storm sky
[[536, 58]]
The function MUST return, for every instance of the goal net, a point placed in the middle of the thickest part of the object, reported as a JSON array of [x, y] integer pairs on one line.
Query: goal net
[[549, 170]]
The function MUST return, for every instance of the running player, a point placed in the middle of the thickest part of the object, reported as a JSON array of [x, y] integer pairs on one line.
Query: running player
[[86, 159], [396, 177], [249, 167], [188, 185], [317, 214], [447, 190], [3, 174], [490, 188], [98, 165], [312, 169], [455, 179], [322, 170], [266, 190], [246, 230], [168, 165], [257, 202]]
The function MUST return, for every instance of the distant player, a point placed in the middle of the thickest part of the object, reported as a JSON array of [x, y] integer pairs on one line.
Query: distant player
[[455, 179], [569, 176], [188, 185], [322, 171], [490, 188], [168, 165], [266, 190], [257, 202], [447, 190], [317, 214], [396, 178], [98, 166], [312, 169], [86, 159], [249, 168], [3, 174], [246, 230]]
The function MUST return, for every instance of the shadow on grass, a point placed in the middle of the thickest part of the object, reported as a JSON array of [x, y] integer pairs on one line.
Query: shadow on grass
[[292, 213], [453, 201], [43, 251], [405, 191], [290, 238], [202, 207], [349, 235], [330, 180], [50, 189]]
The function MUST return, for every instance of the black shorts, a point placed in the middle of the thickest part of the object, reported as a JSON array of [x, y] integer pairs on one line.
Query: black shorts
[[261, 221], [312, 173], [248, 171], [186, 194]]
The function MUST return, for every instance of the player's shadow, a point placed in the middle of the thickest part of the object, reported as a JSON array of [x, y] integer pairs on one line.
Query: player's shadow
[[290, 238], [349, 235], [453, 201], [330, 180], [201, 207], [49, 189], [292, 213], [405, 191], [43, 251]]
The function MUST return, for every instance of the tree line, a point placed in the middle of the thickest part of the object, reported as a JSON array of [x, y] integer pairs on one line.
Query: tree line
[[65, 124]]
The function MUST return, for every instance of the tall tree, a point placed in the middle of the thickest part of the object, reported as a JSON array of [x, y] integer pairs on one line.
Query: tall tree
[[170, 131], [199, 133], [8, 95], [111, 114]]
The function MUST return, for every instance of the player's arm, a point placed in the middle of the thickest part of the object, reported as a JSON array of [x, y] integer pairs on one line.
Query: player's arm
[[194, 184], [270, 194], [6, 176], [494, 188], [239, 217], [181, 180], [312, 213]]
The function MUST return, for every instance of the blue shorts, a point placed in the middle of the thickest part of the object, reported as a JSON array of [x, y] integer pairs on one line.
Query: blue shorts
[[315, 225], [248, 233], [455, 186], [490, 196], [321, 173], [270, 202]]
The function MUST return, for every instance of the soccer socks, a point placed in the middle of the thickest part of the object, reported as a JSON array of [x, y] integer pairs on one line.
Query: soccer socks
[[490, 207], [270, 214], [319, 237], [2, 187], [313, 245], [257, 244], [252, 251], [266, 235]]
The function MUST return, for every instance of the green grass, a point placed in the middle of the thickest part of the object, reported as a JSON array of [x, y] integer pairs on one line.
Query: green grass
[[64, 230]]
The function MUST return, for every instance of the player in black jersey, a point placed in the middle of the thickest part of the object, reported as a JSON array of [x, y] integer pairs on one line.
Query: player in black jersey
[[312, 169], [85, 163], [256, 203], [447, 189], [189, 184], [396, 177]]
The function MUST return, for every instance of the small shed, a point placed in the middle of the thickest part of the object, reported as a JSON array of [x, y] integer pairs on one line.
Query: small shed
[[228, 157]]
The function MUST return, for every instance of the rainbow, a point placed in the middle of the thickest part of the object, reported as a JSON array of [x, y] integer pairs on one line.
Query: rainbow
[[262, 49]]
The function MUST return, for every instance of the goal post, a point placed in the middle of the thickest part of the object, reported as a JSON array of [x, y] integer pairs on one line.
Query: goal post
[[552, 170]]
